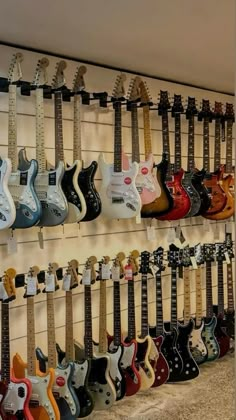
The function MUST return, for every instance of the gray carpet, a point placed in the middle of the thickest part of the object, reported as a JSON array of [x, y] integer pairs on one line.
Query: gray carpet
[[208, 397]]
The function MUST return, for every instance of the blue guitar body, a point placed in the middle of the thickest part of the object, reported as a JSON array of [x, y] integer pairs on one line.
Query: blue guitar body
[[209, 339]]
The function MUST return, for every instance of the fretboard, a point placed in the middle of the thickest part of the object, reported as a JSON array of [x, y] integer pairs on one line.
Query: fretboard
[[229, 152], [220, 288], [178, 163], [117, 138], [187, 295], [165, 139], [147, 131], [40, 150], [135, 133], [206, 149], [230, 292], [144, 307], [159, 309], [5, 345], [217, 156], [131, 311], [103, 318], [209, 300], [116, 313], [88, 334], [52, 360], [173, 322], [198, 283], [31, 361], [77, 154], [12, 130], [69, 327], [191, 154], [59, 149]]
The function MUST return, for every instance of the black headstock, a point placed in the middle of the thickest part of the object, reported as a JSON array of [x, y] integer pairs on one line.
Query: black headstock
[[218, 110], [164, 103], [229, 112], [229, 244], [191, 107], [158, 255], [173, 256], [209, 252], [206, 111], [177, 107], [185, 258], [220, 251], [144, 262]]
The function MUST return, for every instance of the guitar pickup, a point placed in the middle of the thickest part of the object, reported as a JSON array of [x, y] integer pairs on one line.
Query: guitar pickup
[[117, 200]]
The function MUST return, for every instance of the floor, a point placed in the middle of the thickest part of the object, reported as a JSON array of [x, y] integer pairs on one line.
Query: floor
[[208, 397]]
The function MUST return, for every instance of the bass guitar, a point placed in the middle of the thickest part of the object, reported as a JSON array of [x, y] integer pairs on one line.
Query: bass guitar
[[119, 195], [14, 393], [229, 312]]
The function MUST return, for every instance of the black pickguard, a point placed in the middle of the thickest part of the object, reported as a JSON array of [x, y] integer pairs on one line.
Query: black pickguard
[[173, 358], [120, 385], [190, 367], [197, 182], [98, 371], [88, 189], [68, 187], [192, 193]]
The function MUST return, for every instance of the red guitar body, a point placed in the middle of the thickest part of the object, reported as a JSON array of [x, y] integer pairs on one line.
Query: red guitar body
[[221, 336], [161, 368], [22, 393], [182, 203], [215, 192]]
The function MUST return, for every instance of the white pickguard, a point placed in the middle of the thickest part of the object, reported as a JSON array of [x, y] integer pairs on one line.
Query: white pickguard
[[62, 375], [7, 206], [80, 373], [146, 179], [39, 393], [53, 194], [105, 399], [128, 355], [22, 194], [74, 213], [12, 401], [114, 359], [119, 195], [197, 341]]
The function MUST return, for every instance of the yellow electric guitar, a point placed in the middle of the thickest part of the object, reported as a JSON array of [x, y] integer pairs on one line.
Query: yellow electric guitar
[[42, 403]]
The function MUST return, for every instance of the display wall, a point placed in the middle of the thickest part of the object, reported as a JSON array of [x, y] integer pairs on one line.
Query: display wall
[[99, 237]]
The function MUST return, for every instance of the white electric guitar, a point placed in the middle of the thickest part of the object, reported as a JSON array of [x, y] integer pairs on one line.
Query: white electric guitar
[[119, 194]]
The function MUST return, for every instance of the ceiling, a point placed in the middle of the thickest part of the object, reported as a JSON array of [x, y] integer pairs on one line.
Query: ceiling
[[179, 40]]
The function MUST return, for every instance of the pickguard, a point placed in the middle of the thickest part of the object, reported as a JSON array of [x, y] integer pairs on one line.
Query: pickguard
[[197, 346], [100, 384], [190, 367], [88, 189], [192, 193], [172, 355], [7, 206]]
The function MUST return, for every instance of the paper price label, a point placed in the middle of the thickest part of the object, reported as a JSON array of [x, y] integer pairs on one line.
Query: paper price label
[[227, 259], [66, 282], [41, 241], [128, 273], [86, 277], [3, 293], [49, 282], [151, 233], [115, 273], [31, 288], [154, 270], [216, 232], [11, 245], [206, 225], [194, 262], [106, 272], [171, 235]]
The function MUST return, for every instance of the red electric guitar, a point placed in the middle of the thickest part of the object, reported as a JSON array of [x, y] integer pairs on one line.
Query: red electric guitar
[[182, 203]]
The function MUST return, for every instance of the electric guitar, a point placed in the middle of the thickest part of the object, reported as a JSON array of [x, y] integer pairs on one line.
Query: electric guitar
[[129, 350], [197, 346], [119, 195], [47, 183], [99, 381], [81, 367], [86, 175], [194, 174], [220, 331], [174, 178], [70, 186], [21, 181], [62, 389], [229, 118], [14, 393], [224, 182], [162, 370], [211, 179], [229, 312], [208, 333], [42, 403]]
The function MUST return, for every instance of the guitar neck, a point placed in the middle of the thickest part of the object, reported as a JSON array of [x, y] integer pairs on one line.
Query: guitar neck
[[147, 131], [198, 282], [230, 293], [166, 140], [131, 311], [159, 309], [135, 133], [209, 300], [59, 148], [40, 150], [31, 361], [77, 153], [5, 345], [144, 307], [220, 288], [206, 149], [178, 163], [88, 334], [187, 295], [52, 360], [173, 322], [103, 318], [69, 327], [229, 151], [118, 139], [191, 145], [12, 130], [217, 156], [116, 313]]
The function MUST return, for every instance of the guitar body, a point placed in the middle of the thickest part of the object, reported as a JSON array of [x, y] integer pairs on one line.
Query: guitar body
[[222, 338], [230, 323], [42, 403], [192, 193], [15, 399], [197, 181], [197, 346], [100, 383], [53, 201], [182, 203], [119, 195], [88, 189], [190, 367], [161, 369], [164, 202], [73, 194], [228, 210], [146, 351], [208, 335], [7, 206], [215, 192], [172, 355]]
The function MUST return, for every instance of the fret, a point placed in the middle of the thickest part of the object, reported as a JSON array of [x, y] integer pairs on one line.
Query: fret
[[220, 287], [147, 132], [131, 311], [118, 139], [178, 164], [206, 148], [77, 152], [191, 160], [230, 293], [31, 361], [40, 150], [88, 337], [217, 155], [173, 322], [69, 327], [116, 313], [135, 133], [5, 344], [59, 149], [198, 282], [52, 360], [187, 300], [12, 129], [159, 309], [103, 318], [229, 147], [209, 300]]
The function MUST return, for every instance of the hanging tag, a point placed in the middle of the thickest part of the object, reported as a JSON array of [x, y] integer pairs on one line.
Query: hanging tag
[[151, 233], [138, 219], [194, 262], [154, 270], [49, 282], [40, 239], [79, 234], [106, 272], [66, 282], [178, 232], [115, 273], [86, 277], [3, 293], [128, 273], [31, 288], [227, 259], [216, 231], [11, 245], [206, 225], [171, 235]]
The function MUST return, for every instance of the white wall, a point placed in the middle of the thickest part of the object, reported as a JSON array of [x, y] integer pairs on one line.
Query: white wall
[[99, 237]]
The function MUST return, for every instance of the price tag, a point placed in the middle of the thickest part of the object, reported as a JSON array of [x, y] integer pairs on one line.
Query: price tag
[[3, 293], [206, 225], [154, 270], [31, 288], [106, 272], [49, 282], [128, 273], [227, 259], [194, 262], [11, 245], [40, 238], [86, 277], [151, 233], [171, 235], [216, 231], [66, 282], [115, 273], [138, 219]]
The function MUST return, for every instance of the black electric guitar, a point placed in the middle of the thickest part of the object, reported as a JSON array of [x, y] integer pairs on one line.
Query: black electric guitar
[[229, 312], [86, 175]]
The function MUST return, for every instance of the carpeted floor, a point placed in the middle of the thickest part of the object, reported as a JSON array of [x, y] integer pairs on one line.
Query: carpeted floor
[[208, 397]]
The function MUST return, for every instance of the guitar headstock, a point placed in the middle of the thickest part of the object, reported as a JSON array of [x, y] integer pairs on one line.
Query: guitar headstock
[[229, 244], [198, 252], [14, 72], [118, 262], [164, 103], [218, 110], [58, 81], [51, 281], [206, 111], [173, 256], [144, 93], [208, 252], [185, 257], [133, 91], [229, 112], [40, 76], [89, 274], [158, 255], [177, 107], [191, 107], [8, 284], [133, 261], [31, 287], [79, 83], [72, 271], [104, 275], [144, 262], [118, 93], [220, 251]]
